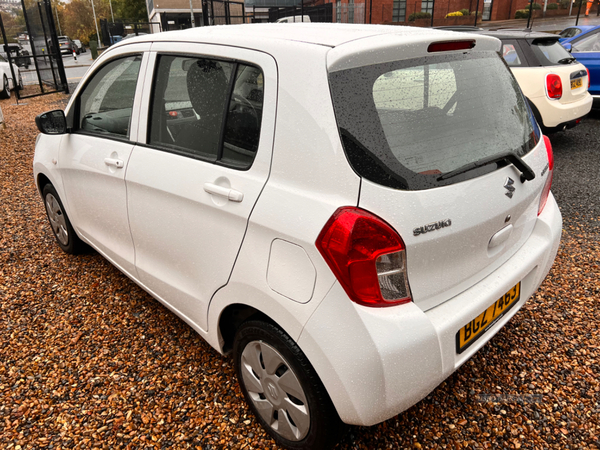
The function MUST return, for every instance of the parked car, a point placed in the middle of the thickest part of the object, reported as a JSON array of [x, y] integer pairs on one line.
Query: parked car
[[571, 32], [66, 45], [80, 46], [132, 35], [7, 82], [554, 83], [292, 19], [350, 211], [20, 56], [585, 47]]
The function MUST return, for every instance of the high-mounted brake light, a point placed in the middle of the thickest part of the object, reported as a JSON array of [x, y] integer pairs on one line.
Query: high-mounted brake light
[[553, 86], [367, 256], [548, 184], [448, 46]]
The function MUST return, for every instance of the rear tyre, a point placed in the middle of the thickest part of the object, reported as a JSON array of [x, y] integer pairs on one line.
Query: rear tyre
[[283, 390], [61, 226], [5, 93]]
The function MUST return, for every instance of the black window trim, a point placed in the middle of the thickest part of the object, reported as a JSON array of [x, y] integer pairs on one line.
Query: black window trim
[[188, 154]]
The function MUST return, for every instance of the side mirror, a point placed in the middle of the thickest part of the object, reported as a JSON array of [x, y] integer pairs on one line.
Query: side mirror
[[52, 122], [568, 47]]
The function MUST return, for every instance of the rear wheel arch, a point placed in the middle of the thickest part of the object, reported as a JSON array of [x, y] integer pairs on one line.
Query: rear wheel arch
[[536, 113], [232, 318]]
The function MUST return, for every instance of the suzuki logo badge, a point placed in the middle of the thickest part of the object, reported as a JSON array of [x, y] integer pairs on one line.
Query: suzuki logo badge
[[272, 390], [509, 187]]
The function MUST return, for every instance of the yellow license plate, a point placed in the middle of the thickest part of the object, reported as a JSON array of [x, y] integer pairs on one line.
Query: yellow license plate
[[480, 324], [576, 83]]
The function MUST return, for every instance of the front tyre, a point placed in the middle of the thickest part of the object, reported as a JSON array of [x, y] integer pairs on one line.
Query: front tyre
[[61, 226], [283, 390]]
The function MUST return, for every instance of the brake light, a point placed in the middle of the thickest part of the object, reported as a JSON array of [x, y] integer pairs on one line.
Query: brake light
[[589, 79], [448, 46], [367, 256], [548, 184], [553, 86]]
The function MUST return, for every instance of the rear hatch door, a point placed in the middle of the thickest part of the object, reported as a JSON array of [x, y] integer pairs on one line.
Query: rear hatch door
[[450, 157]]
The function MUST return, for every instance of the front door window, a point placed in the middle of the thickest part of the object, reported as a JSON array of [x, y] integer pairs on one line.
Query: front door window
[[107, 101]]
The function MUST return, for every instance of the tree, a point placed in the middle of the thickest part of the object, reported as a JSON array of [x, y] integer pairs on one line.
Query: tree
[[130, 10]]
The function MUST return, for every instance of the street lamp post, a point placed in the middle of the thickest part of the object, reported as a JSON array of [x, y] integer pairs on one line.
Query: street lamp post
[[95, 22], [192, 14], [111, 11]]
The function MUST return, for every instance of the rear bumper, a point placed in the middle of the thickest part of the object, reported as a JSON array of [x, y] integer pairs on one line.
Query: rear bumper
[[556, 114], [377, 362]]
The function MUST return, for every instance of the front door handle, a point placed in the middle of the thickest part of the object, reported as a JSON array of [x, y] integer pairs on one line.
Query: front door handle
[[230, 194], [114, 162]]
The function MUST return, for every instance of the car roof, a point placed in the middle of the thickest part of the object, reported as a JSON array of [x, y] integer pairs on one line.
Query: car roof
[[580, 27], [251, 35], [519, 34]]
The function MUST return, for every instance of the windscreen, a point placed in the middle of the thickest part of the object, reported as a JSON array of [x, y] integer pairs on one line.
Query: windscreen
[[405, 124]]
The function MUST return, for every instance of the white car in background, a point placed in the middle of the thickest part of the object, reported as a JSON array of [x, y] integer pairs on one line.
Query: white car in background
[[553, 81], [7, 83], [351, 211]]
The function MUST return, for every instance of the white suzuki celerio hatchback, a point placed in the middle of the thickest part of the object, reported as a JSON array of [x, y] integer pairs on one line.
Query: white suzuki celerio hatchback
[[351, 211]]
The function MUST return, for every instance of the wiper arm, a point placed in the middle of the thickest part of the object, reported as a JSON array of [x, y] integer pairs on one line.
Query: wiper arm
[[527, 173], [567, 60]]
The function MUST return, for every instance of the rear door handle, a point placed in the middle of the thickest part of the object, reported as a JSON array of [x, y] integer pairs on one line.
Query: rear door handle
[[114, 162], [230, 194]]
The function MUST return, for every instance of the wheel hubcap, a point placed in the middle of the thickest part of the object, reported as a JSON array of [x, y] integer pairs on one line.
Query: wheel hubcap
[[275, 390], [57, 219]]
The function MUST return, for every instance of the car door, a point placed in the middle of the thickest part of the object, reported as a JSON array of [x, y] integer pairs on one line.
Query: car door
[[93, 158], [587, 51], [192, 186]]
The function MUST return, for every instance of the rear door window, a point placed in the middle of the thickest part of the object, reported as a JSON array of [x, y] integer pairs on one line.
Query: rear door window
[[207, 109], [588, 44], [404, 124]]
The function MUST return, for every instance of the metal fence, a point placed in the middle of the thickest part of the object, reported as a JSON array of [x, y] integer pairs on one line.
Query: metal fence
[[38, 47], [223, 12]]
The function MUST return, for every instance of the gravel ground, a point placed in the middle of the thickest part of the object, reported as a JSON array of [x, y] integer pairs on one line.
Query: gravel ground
[[88, 360]]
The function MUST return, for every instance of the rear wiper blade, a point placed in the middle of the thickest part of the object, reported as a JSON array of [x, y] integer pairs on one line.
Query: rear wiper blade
[[567, 60], [527, 173]]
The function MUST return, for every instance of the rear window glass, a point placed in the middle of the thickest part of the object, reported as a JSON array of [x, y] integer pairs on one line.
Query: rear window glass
[[549, 51], [404, 124]]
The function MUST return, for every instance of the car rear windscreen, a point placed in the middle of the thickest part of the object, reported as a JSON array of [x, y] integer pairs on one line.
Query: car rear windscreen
[[549, 51], [404, 124]]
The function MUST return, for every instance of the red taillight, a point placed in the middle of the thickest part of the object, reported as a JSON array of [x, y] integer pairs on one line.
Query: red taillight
[[553, 86], [548, 184], [589, 79], [448, 46], [367, 257]]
